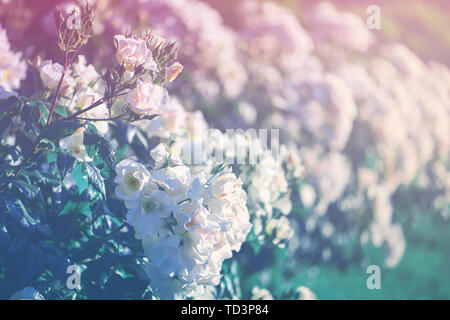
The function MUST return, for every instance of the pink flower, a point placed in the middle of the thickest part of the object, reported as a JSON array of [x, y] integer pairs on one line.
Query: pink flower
[[134, 52], [147, 98]]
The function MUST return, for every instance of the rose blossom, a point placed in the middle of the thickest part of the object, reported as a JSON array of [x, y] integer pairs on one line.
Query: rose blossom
[[134, 52], [188, 226], [51, 74], [147, 98], [74, 145], [131, 178]]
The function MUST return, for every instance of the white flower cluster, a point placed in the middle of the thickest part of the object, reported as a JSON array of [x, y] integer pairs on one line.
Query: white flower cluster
[[269, 198], [367, 123], [175, 123], [12, 68], [188, 226], [82, 86], [147, 98], [271, 34], [346, 30]]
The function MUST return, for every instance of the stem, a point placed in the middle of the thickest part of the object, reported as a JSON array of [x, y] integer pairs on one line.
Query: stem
[[75, 54], [183, 201], [105, 119], [67, 63], [58, 89], [92, 106]]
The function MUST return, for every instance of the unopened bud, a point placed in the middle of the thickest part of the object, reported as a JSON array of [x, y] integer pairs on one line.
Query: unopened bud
[[158, 41], [173, 71], [37, 61]]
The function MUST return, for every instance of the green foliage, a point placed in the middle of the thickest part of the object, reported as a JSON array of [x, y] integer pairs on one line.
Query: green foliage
[[55, 211], [65, 163]]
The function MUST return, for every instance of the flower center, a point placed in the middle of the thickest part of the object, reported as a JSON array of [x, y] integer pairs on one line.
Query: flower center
[[132, 182], [77, 149], [149, 205]]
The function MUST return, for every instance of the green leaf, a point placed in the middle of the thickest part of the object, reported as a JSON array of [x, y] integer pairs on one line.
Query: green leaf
[[28, 190], [46, 144], [254, 242], [80, 177], [18, 212], [65, 163], [121, 151], [60, 129], [60, 110], [96, 144], [95, 178], [51, 156], [43, 114], [8, 105], [82, 207]]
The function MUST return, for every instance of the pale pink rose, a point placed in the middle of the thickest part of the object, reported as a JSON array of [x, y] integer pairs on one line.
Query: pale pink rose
[[134, 52], [51, 74], [147, 98]]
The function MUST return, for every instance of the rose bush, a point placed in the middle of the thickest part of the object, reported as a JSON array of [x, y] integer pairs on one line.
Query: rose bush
[[112, 145]]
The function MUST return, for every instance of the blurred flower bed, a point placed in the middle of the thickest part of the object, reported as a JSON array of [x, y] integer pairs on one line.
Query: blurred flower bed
[[362, 176]]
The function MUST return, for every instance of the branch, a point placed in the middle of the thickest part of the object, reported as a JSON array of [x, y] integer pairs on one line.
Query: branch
[[105, 119], [58, 88]]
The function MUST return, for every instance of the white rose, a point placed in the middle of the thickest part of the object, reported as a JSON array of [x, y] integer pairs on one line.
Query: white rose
[[172, 121], [51, 74], [175, 180], [134, 52], [147, 98], [86, 96], [187, 229], [164, 264], [159, 154], [12, 68], [131, 178], [228, 201], [307, 195], [85, 74], [75, 146], [146, 214], [282, 229]]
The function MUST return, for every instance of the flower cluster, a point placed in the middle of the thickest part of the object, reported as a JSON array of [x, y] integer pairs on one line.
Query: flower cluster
[[188, 226], [12, 68], [363, 145], [80, 88]]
